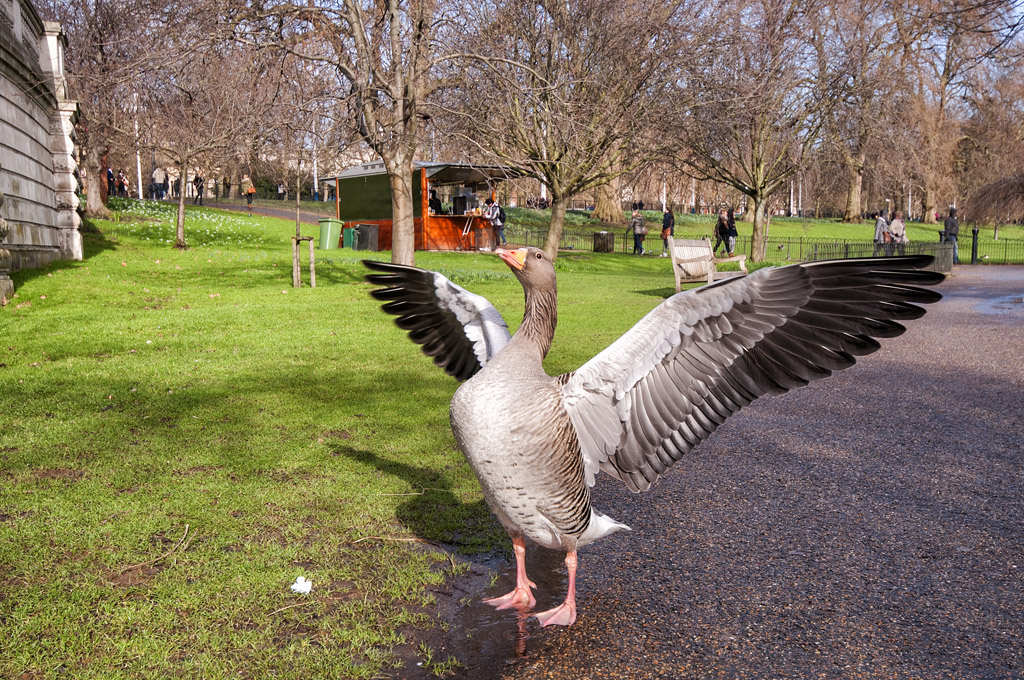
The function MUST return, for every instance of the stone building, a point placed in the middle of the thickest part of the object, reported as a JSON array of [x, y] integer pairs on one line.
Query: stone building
[[38, 180]]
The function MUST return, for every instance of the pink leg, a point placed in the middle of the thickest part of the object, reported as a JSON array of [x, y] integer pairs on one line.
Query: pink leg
[[565, 613], [521, 597]]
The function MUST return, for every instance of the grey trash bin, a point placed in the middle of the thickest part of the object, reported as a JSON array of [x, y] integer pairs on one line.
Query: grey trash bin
[[366, 237]]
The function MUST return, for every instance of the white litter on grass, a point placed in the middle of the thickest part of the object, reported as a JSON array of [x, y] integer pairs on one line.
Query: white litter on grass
[[301, 585]]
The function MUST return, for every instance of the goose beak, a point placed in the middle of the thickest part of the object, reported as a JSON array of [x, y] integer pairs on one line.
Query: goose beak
[[513, 258]]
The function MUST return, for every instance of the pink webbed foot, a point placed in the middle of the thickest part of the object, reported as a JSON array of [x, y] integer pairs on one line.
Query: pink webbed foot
[[519, 598], [562, 615]]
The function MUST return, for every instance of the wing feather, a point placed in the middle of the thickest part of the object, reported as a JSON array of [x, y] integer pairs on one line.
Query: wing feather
[[702, 355], [461, 331]]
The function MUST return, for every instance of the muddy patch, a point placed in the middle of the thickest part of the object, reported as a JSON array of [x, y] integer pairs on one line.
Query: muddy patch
[[486, 642]]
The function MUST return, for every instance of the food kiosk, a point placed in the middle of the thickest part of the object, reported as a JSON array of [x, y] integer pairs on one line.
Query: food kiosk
[[451, 219]]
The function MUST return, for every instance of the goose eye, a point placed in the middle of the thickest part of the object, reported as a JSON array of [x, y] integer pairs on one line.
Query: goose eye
[[539, 256]]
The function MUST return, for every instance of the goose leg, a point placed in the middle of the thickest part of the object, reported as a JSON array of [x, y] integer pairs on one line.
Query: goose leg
[[565, 613], [521, 597]]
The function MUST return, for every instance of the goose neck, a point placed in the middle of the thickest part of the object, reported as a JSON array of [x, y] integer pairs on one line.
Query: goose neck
[[539, 320]]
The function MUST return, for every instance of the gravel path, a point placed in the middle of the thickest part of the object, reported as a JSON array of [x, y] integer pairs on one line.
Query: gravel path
[[871, 525]]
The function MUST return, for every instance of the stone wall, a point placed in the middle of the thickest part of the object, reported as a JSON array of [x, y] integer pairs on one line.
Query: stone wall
[[38, 166]]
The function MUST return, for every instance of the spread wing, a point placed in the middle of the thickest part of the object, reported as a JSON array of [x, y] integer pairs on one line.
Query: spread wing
[[702, 355], [459, 329]]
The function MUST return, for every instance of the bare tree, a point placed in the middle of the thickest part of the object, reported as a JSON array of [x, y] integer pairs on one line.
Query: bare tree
[[200, 107], [762, 104], [381, 50], [942, 45], [562, 92], [108, 44], [857, 52]]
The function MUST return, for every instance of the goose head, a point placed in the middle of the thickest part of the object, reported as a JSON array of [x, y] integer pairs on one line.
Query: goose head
[[536, 272], [532, 267]]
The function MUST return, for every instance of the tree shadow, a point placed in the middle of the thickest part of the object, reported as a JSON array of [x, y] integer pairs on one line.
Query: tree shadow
[[94, 242]]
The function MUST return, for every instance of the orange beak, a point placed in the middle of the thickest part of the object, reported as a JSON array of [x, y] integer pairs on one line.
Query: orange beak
[[513, 258]]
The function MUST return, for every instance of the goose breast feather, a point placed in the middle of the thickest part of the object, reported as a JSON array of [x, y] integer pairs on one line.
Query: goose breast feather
[[670, 381]]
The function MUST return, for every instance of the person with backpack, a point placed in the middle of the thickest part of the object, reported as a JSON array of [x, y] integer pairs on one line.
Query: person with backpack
[[248, 190], [495, 214]]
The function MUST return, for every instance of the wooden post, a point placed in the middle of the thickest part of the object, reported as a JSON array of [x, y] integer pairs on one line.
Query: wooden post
[[296, 268], [312, 265]]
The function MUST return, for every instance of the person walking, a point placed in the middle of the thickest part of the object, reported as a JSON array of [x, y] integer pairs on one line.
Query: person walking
[[721, 227], [668, 228], [898, 234], [639, 229], [496, 216], [952, 227], [159, 177], [730, 231], [249, 190], [199, 182], [882, 235]]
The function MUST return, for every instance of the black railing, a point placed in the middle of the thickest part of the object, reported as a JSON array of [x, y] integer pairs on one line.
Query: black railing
[[779, 249]]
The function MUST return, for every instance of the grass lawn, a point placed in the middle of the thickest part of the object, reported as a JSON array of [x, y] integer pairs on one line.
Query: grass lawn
[[183, 434]]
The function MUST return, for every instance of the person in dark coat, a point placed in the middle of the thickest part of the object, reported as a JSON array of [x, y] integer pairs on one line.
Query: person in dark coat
[[199, 182], [721, 229], [731, 233], [952, 227], [668, 228]]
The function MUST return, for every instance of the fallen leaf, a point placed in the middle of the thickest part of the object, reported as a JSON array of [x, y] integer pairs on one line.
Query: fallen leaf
[[124, 264]]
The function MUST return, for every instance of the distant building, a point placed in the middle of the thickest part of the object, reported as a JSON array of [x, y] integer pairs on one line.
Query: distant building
[[38, 166]]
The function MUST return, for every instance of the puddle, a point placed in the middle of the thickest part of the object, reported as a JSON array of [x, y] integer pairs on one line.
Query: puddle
[[488, 642], [1001, 305]]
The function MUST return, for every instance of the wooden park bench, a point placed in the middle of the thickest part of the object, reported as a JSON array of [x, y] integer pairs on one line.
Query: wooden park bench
[[694, 260]]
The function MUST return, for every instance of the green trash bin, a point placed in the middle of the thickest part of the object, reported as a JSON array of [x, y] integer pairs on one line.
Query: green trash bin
[[330, 232], [349, 237]]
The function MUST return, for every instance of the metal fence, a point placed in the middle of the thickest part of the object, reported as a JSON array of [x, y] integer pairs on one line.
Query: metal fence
[[777, 249]]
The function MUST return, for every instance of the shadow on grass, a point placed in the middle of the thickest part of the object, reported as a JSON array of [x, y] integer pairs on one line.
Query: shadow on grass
[[93, 244], [436, 514]]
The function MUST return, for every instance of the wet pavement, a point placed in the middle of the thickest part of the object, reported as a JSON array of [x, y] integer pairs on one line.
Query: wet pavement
[[870, 525]]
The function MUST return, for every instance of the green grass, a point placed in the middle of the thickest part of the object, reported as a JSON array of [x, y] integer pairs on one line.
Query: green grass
[[149, 390]]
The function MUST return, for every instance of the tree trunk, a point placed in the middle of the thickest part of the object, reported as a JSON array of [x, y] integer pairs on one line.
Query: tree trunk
[[758, 246], [554, 237], [928, 205], [854, 189], [607, 206], [403, 229], [748, 212], [298, 204], [179, 238], [233, 187], [95, 182]]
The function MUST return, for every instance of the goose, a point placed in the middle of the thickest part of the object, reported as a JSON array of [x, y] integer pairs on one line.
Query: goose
[[536, 442]]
